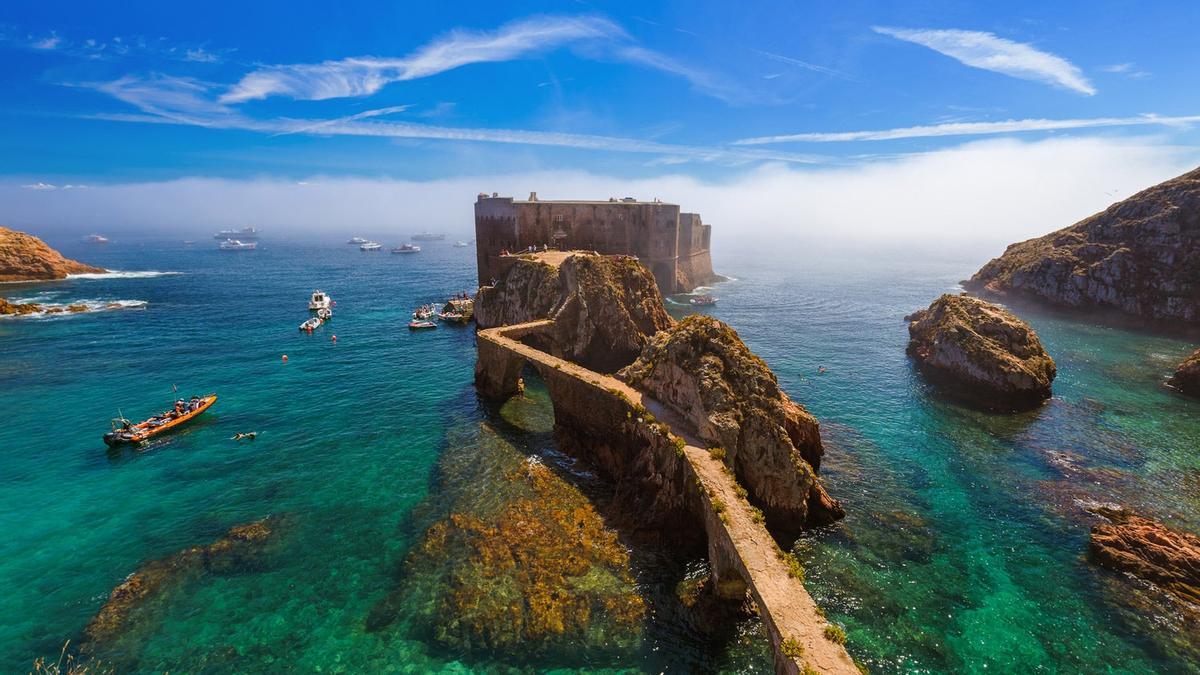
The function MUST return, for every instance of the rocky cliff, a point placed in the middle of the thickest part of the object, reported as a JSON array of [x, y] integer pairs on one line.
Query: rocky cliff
[[26, 258], [703, 371], [605, 308], [1140, 256], [1150, 551], [1187, 376], [981, 352]]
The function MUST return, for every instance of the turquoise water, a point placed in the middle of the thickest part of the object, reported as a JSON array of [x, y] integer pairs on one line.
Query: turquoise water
[[964, 547]]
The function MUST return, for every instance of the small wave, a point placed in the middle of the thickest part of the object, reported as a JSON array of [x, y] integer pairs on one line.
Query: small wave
[[90, 306], [118, 274]]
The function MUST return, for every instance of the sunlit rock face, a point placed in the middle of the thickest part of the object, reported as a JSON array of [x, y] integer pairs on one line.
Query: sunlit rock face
[[1140, 257], [24, 257], [519, 564], [1148, 550], [703, 371], [981, 353], [605, 308]]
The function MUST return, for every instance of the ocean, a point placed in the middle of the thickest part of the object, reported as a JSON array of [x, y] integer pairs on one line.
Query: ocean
[[964, 548]]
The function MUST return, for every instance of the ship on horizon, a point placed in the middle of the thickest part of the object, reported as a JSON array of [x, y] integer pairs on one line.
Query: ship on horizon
[[244, 234], [428, 236]]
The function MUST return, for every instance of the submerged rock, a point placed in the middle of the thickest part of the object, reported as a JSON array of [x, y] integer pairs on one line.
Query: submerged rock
[[1187, 376], [1139, 257], [236, 551], [24, 257], [521, 564], [9, 308], [605, 308], [1149, 551], [703, 371], [981, 352]]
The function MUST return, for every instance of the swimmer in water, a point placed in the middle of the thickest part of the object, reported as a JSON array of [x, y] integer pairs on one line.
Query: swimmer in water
[[252, 435]]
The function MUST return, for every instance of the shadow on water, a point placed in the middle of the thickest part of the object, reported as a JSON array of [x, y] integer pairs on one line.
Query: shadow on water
[[632, 606]]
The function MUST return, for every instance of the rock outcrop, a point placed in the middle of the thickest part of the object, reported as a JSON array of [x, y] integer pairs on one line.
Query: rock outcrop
[[605, 308], [24, 257], [1187, 376], [981, 353], [18, 308], [1140, 257], [703, 371], [519, 563], [1149, 551], [237, 550]]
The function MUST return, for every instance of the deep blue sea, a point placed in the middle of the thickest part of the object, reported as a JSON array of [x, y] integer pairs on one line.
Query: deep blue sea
[[964, 548]]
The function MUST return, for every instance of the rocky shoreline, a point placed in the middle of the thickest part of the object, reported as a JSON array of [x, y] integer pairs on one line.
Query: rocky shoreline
[[24, 257]]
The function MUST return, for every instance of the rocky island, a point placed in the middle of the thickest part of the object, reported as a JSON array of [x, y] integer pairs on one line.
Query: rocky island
[[981, 352], [1139, 257], [24, 257], [694, 435], [1187, 376]]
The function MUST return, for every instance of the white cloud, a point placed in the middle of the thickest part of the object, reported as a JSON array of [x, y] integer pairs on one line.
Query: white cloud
[[363, 76], [1127, 69], [200, 55], [49, 42], [39, 186], [990, 52], [972, 129], [986, 194]]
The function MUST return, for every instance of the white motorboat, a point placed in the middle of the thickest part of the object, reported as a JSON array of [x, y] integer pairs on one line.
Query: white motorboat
[[246, 233], [319, 300], [460, 244], [237, 245], [357, 241], [325, 314], [311, 324], [370, 246], [406, 248], [96, 239]]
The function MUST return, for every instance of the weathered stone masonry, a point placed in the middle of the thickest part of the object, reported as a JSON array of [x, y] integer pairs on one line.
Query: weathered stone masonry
[[673, 245]]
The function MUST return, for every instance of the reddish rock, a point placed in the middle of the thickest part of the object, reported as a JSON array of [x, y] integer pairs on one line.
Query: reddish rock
[[1148, 550], [1140, 257], [7, 307], [1187, 376], [981, 352], [24, 257]]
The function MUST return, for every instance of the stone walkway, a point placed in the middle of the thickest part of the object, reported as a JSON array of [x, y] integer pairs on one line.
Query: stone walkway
[[788, 611]]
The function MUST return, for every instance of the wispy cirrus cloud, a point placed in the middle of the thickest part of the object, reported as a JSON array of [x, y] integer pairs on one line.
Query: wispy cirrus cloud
[[51, 41], [972, 129], [362, 76], [991, 52], [172, 100]]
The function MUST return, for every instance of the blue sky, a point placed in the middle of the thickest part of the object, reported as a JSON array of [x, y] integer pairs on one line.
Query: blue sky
[[105, 94]]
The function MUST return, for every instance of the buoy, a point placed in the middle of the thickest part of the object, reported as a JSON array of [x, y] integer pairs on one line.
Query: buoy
[[333, 339], [285, 358]]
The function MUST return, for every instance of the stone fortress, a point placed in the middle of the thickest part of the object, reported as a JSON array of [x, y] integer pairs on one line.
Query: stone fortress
[[673, 245]]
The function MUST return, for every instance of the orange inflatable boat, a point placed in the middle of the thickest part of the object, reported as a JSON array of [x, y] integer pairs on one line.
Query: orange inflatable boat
[[125, 432]]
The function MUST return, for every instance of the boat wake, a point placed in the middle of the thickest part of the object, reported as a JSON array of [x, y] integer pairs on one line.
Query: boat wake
[[118, 274]]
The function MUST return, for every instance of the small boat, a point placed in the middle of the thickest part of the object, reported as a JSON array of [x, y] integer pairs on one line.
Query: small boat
[[356, 241], [460, 244], [126, 432], [428, 236], [237, 245], [311, 324], [423, 313], [246, 233], [458, 310], [96, 239], [370, 246], [454, 317], [406, 248], [188, 243], [703, 300], [421, 325], [319, 300], [324, 314]]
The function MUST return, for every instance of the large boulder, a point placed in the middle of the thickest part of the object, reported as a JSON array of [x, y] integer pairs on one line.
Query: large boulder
[[1148, 550], [24, 257], [1140, 257], [1187, 376], [18, 308], [703, 371], [981, 352], [605, 308]]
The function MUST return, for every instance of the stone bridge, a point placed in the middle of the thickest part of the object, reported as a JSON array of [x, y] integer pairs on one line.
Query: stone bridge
[[742, 553]]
